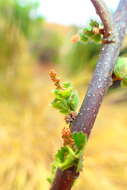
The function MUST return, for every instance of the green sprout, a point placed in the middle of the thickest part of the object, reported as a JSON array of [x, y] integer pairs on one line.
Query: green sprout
[[71, 154], [120, 70], [66, 98], [68, 156], [93, 32]]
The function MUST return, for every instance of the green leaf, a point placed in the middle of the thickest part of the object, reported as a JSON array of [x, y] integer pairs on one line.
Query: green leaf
[[60, 155], [66, 93], [94, 23], [97, 38], [66, 84], [62, 105], [59, 158], [53, 172], [120, 69], [83, 37], [70, 159], [65, 157], [123, 84], [74, 101], [80, 139], [66, 99], [49, 179], [88, 33]]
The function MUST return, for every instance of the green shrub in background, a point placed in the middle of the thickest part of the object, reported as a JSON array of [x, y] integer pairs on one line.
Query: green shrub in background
[[47, 46], [19, 24], [81, 55], [17, 20], [22, 15]]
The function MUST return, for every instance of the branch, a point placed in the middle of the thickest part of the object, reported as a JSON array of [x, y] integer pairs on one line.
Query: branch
[[97, 89], [105, 16], [102, 75], [64, 179]]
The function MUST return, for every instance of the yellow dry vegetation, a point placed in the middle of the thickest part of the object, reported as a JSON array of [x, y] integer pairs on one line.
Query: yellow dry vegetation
[[30, 131], [30, 135]]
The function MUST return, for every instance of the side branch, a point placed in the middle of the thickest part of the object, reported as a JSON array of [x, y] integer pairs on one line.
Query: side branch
[[105, 16]]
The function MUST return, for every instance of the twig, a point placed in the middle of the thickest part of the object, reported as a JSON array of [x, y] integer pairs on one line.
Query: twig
[[105, 16], [96, 91]]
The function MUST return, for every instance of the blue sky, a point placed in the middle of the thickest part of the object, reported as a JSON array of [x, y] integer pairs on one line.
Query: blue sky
[[71, 12]]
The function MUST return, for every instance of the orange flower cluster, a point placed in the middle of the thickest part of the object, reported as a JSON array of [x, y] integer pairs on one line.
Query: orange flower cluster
[[56, 81], [67, 137]]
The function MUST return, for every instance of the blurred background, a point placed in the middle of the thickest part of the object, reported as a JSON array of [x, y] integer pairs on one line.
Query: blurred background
[[35, 38]]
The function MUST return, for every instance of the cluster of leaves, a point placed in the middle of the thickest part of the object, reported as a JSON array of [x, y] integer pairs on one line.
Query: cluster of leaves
[[120, 70], [66, 101], [66, 98], [92, 32], [68, 156]]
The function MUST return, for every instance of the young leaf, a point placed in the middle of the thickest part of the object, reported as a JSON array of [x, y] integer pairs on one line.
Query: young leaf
[[59, 159], [74, 101], [123, 84], [83, 37], [94, 23], [66, 84], [65, 157], [80, 139], [62, 105], [88, 32], [60, 155], [97, 38], [63, 93], [66, 99], [120, 69], [70, 159]]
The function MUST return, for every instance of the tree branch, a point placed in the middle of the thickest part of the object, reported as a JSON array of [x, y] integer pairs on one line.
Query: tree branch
[[97, 88], [105, 16], [64, 179], [102, 75]]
